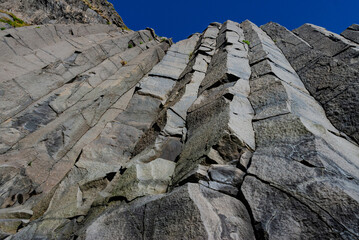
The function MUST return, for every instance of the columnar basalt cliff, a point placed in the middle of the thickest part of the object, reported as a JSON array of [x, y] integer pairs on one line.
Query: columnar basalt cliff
[[238, 132]]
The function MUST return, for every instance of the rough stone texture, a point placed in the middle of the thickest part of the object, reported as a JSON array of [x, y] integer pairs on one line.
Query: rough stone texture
[[221, 115], [332, 82], [238, 132], [142, 179], [296, 161], [330, 44], [65, 11], [352, 33], [189, 212], [52, 108]]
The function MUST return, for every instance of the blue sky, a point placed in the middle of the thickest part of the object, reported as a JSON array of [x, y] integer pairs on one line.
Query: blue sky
[[179, 19]]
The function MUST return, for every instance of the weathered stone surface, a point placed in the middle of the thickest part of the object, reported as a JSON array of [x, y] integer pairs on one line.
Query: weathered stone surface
[[157, 87], [226, 69], [12, 219], [32, 85], [13, 97], [330, 44], [70, 197], [223, 178], [297, 160], [352, 33], [140, 112], [335, 89], [226, 174], [234, 133], [171, 148], [290, 218], [58, 110], [221, 187], [66, 11], [189, 212], [176, 60], [221, 115], [142, 179], [114, 146], [169, 130]]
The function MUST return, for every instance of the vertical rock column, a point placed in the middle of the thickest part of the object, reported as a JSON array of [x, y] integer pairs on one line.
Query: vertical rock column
[[330, 43], [112, 149], [52, 131], [219, 121], [192, 77], [208, 208], [169, 130], [220, 136], [169, 141], [302, 180]]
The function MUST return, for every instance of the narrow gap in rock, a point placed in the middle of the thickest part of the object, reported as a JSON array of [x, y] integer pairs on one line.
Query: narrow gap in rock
[[306, 163], [32, 193], [20, 198], [144, 223], [259, 232], [8, 36], [117, 199], [49, 105], [137, 88], [78, 157], [228, 96], [111, 175], [81, 78], [266, 118]]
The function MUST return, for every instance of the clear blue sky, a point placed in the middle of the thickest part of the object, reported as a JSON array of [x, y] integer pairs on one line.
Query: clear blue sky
[[179, 19]]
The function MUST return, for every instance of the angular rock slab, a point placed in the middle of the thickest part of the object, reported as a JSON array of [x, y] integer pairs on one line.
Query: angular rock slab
[[352, 33], [330, 43], [176, 59], [143, 179], [332, 82], [221, 116], [300, 159], [280, 216], [189, 212]]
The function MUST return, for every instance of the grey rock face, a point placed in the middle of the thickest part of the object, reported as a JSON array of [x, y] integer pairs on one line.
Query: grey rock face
[[189, 212], [83, 81], [330, 44], [332, 82], [238, 132], [296, 158], [65, 11], [352, 33]]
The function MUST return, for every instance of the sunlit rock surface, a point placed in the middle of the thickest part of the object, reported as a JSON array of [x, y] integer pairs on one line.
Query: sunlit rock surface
[[238, 132]]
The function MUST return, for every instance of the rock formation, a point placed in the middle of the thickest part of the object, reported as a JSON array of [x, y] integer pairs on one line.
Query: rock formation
[[63, 11], [240, 132]]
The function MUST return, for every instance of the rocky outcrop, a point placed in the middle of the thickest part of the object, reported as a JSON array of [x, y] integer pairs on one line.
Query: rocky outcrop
[[38, 12], [330, 79], [189, 212], [239, 132], [352, 33], [296, 158], [64, 84]]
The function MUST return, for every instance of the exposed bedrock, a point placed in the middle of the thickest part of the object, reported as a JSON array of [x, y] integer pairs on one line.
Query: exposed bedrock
[[63, 11], [332, 81], [352, 33], [300, 161], [238, 132]]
